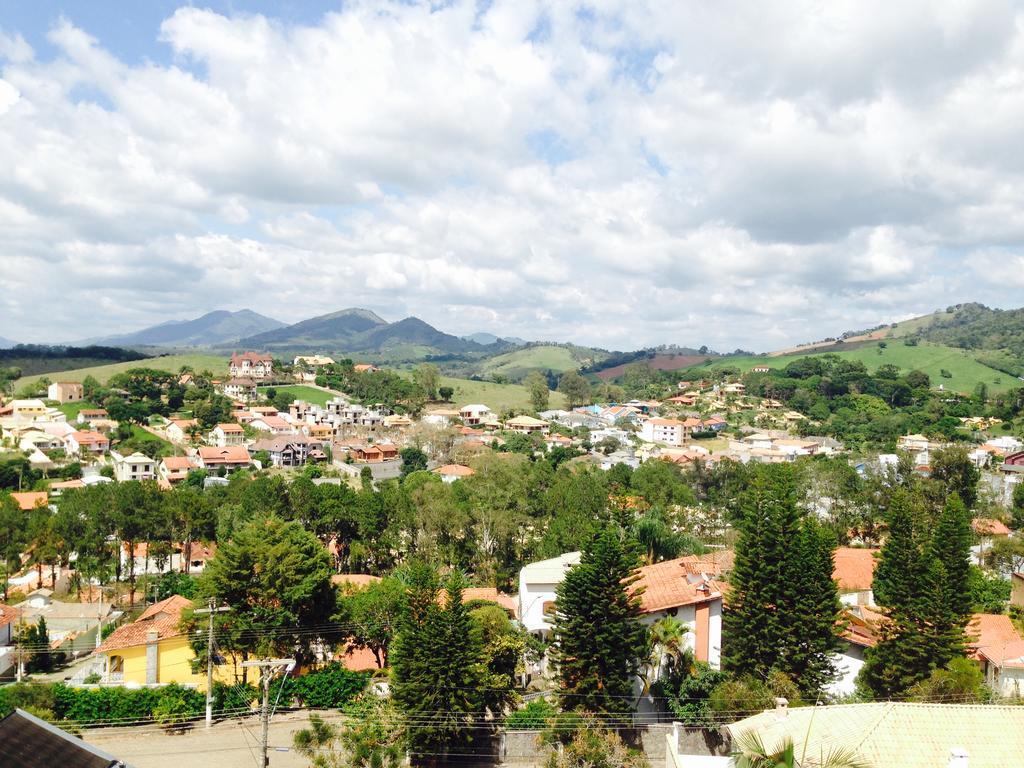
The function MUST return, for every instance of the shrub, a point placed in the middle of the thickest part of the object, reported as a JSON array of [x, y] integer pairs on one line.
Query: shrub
[[328, 688], [533, 717]]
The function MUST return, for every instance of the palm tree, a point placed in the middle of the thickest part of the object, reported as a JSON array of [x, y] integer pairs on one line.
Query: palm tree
[[749, 751], [668, 636]]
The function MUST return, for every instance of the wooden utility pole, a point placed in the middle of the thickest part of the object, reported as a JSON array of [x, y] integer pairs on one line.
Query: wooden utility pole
[[210, 609], [267, 669]]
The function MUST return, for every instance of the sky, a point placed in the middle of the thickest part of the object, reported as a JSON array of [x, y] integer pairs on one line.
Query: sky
[[617, 172]]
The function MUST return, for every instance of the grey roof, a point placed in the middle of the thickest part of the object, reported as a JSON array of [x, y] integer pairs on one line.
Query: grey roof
[[28, 742]]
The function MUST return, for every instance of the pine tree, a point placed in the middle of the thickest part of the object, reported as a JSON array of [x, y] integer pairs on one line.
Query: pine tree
[[783, 607], [924, 591], [951, 545], [438, 674], [600, 644]]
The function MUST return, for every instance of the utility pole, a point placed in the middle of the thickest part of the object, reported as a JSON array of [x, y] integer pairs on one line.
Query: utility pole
[[210, 610], [99, 615], [267, 669]]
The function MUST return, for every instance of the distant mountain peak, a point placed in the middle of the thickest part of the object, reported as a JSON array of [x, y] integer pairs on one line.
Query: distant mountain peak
[[220, 326]]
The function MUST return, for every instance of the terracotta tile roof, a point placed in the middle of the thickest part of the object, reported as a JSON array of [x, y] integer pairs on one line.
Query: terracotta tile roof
[[252, 357], [993, 637], [231, 454], [456, 470], [8, 613], [665, 585], [162, 617], [64, 484], [358, 659], [178, 463], [229, 428], [86, 437], [713, 563], [854, 569], [490, 595], [987, 526], [30, 499]]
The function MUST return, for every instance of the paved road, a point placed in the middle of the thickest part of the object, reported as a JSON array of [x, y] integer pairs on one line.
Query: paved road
[[232, 744]]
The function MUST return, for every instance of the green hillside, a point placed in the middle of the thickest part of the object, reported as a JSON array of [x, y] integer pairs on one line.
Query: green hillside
[[520, 362], [301, 392], [966, 372], [217, 364], [497, 397]]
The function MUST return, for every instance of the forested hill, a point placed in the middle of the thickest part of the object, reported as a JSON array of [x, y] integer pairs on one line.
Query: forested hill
[[996, 334]]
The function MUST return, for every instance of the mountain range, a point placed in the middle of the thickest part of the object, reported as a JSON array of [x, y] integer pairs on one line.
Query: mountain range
[[355, 330], [7, 343], [214, 328]]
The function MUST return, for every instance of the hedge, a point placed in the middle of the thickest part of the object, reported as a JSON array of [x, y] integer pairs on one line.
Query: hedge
[[329, 688], [108, 705]]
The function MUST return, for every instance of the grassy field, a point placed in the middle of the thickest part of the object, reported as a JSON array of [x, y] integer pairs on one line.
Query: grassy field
[[966, 371], [519, 362], [218, 364], [309, 394], [71, 409], [497, 397]]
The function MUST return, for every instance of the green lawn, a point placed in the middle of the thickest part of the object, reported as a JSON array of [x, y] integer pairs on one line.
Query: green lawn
[[71, 409], [966, 371], [217, 364], [497, 397], [301, 392]]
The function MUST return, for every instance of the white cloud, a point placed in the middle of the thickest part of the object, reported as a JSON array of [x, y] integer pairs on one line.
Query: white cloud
[[621, 174]]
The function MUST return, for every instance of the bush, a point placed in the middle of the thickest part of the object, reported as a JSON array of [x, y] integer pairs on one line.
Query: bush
[[231, 699], [533, 717], [328, 688], [688, 696], [961, 682], [88, 705], [32, 697]]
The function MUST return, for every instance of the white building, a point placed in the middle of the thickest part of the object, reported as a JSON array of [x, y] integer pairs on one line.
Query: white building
[[224, 435], [537, 584], [474, 414], [136, 466]]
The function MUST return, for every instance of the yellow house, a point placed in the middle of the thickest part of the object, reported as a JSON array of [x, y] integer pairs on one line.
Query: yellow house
[[153, 650]]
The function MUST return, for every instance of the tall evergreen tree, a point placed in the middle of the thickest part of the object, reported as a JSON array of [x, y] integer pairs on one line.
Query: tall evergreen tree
[[600, 644], [951, 545], [924, 591], [783, 607], [438, 674]]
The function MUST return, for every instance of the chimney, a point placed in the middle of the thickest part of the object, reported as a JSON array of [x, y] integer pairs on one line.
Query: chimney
[[958, 758], [782, 706], [152, 657]]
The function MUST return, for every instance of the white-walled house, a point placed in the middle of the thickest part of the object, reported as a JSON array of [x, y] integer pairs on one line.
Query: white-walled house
[[854, 571], [537, 584], [136, 466], [998, 647], [474, 414], [224, 435]]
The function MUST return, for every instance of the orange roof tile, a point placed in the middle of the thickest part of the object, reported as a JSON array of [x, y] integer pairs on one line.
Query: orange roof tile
[[987, 526], [456, 470], [30, 499], [713, 563], [993, 637], [665, 585], [231, 454], [163, 618], [354, 579], [854, 568]]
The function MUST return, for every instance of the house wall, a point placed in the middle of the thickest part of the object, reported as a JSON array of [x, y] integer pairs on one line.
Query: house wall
[[849, 664], [174, 664], [532, 597], [1007, 681], [861, 597]]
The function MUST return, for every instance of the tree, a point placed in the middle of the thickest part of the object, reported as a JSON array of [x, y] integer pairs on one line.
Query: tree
[[413, 460], [593, 747], [575, 388], [537, 385], [749, 751], [427, 376], [960, 682], [784, 608], [13, 537], [371, 738], [276, 577], [374, 612], [599, 643], [924, 629], [446, 393], [438, 676], [954, 469], [951, 546]]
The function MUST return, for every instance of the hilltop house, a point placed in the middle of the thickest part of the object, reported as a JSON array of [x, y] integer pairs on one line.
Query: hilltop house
[[239, 389], [289, 451], [88, 442], [223, 460], [526, 425], [180, 430], [153, 649], [251, 365], [475, 414], [225, 435], [449, 473], [173, 469], [136, 466], [65, 392]]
